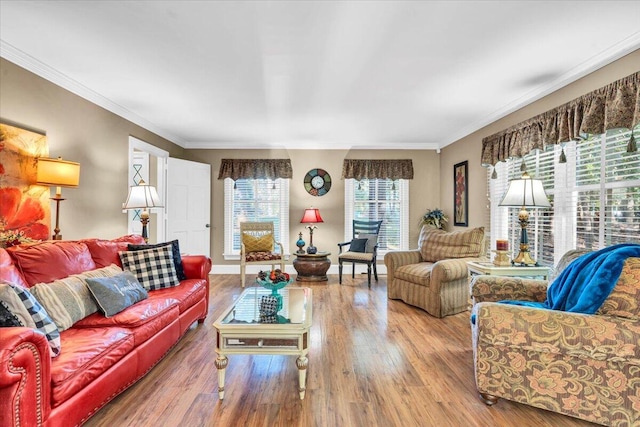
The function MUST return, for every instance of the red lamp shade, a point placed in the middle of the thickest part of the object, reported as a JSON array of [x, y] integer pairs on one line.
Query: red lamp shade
[[311, 216]]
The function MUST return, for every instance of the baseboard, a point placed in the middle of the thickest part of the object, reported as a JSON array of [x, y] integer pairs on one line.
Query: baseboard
[[254, 269]]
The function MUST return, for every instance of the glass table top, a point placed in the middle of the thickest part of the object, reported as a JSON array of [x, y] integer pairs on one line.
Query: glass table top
[[250, 307]]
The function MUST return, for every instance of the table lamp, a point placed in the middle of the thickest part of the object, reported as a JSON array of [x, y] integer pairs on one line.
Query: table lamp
[[59, 173], [143, 196], [525, 193], [311, 216]]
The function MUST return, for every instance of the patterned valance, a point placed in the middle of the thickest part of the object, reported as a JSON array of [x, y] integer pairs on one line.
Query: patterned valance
[[616, 105], [377, 169], [255, 169]]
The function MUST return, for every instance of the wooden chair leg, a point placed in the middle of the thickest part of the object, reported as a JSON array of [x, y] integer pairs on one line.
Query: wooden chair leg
[[375, 271], [353, 270], [340, 272], [242, 273], [369, 275]]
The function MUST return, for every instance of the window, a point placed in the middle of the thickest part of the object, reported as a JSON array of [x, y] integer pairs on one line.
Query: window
[[255, 200], [595, 197], [375, 200]]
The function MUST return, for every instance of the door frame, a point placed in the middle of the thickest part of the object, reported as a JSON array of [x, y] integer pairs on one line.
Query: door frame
[[161, 156]]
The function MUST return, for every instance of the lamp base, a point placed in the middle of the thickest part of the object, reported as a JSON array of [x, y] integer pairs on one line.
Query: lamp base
[[523, 259], [312, 250]]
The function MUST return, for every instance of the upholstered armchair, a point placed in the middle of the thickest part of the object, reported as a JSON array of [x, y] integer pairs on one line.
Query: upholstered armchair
[[581, 365], [435, 276], [257, 246]]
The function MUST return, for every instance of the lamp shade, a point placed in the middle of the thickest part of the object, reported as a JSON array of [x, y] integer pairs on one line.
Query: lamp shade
[[142, 196], [311, 216], [58, 172], [526, 192]]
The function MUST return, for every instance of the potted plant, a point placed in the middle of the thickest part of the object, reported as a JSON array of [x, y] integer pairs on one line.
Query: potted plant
[[434, 218]]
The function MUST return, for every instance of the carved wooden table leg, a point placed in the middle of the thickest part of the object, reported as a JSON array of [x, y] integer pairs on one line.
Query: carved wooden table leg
[[221, 363], [302, 363]]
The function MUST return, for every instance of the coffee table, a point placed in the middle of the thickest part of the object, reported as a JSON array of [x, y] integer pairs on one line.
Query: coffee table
[[240, 331]]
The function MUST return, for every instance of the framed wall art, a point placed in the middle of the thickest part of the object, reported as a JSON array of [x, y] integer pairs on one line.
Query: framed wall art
[[461, 194], [24, 206]]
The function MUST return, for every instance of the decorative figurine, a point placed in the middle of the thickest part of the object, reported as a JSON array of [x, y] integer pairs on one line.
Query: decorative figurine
[[300, 244]]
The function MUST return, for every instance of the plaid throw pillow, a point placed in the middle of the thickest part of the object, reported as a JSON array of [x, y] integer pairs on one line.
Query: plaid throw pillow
[[30, 313], [153, 268], [175, 248]]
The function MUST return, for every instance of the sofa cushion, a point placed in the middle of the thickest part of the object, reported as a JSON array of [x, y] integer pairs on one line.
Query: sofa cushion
[[114, 294], [415, 273], [624, 300], [26, 308], [175, 250], [68, 300], [436, 245], [8, 271], [187, 294], [87, 354], [67, 257], [143, 319], [105, 252], [154, 268]]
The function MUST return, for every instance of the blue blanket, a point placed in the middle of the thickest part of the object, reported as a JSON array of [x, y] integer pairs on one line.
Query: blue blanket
[[586, 283]]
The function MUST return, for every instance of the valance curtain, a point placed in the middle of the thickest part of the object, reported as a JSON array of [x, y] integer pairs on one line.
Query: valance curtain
[[377, 169], [255, 169], [616, 105]]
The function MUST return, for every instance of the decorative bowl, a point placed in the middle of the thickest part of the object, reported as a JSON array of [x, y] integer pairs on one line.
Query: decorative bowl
[[274, 287]]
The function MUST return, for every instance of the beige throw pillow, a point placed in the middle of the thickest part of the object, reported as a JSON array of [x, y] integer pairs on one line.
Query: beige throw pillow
[[436, 245]]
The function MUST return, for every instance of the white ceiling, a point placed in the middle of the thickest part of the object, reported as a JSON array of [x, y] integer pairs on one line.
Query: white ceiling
[[315, 74]]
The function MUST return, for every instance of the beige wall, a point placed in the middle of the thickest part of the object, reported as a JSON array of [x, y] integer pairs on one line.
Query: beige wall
[[423, 189], [470, 147], [80, 131]]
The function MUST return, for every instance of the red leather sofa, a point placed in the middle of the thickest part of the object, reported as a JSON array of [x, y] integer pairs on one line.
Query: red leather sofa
[[100, 356]]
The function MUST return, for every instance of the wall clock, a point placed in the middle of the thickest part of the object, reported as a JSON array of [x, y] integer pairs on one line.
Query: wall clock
[[317, 182]]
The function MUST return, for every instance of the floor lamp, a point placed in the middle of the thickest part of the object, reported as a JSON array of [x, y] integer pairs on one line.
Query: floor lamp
[[59, 173], [142, 196], [525, 193]]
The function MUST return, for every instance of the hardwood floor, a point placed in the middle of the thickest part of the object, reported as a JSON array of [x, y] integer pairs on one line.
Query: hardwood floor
[[372, 362]]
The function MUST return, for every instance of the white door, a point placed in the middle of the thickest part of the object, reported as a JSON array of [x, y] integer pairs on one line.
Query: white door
[[188, 205]]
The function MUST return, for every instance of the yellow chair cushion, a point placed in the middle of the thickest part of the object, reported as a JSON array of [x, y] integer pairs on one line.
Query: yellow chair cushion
[[257, 244]]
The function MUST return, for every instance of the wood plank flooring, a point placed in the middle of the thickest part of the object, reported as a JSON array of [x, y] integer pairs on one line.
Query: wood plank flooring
[[372, 362]]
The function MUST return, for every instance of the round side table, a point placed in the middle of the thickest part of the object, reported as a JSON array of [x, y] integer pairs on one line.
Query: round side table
[[312, 267]]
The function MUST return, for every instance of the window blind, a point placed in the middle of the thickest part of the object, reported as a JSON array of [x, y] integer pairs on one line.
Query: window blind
[[255, 200]]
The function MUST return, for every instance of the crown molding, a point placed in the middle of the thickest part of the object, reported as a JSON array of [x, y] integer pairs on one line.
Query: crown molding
[[307, 145], [20, 58]]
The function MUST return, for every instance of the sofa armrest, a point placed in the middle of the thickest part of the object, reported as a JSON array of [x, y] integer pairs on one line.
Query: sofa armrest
[[25, 377], [448, 270], [498, 288], [584, 336], [196, 266], [395, 259]]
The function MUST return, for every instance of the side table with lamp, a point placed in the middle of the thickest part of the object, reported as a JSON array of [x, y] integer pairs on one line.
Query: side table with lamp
[[312, 265]]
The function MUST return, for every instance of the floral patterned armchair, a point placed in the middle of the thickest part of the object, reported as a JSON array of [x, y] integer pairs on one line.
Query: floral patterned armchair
[[585, 366]]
